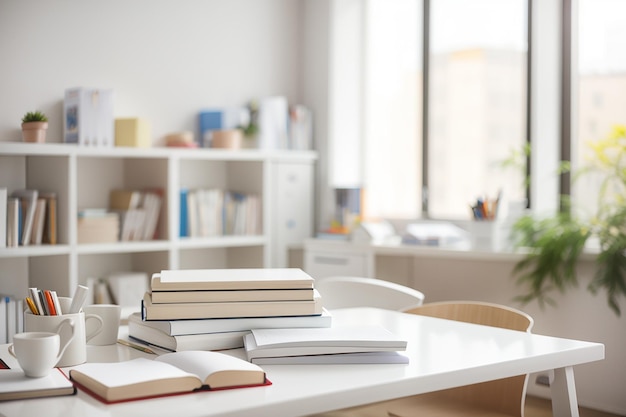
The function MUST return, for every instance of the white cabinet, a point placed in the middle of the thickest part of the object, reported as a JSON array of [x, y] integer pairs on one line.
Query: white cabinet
[[324, 258], [82, 178], [292, 203]]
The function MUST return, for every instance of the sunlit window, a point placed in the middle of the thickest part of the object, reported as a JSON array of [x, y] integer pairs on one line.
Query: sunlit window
[[477, 103], [392, 113], [601, 85]]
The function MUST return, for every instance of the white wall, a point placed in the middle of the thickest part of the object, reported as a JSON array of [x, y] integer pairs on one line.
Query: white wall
[[165, 59]]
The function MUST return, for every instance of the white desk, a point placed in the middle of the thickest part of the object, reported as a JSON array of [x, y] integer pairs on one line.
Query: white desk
[[443, 354]]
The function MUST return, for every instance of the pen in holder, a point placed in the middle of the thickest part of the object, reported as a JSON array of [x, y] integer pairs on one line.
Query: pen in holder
[[76, 351]]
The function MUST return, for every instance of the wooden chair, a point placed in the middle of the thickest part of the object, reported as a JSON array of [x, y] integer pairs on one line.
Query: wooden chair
[[504, 397], [344, 292]]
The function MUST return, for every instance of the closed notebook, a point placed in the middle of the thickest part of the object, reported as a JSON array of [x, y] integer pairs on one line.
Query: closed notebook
[[169, 374], [264, 343], [14, 385]]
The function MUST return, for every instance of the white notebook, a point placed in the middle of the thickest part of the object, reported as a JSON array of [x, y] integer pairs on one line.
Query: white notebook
[[262, 343]]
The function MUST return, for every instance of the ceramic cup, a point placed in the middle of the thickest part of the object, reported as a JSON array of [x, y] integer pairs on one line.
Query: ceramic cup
[[38, 352], [76, 351], [110, 315]]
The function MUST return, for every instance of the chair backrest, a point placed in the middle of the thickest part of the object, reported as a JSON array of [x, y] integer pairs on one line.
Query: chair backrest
[[477, 312], [505, 395], [343, 292]]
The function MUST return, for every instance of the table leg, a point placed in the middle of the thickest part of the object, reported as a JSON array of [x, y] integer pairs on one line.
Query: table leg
[[564, 402]]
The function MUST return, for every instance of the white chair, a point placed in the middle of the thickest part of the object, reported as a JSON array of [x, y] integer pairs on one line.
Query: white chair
[[344, 292]]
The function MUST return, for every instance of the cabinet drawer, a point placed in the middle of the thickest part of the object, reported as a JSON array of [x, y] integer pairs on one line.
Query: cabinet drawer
[[325, 264]]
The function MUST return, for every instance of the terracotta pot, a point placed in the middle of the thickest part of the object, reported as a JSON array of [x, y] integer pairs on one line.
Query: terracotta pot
[[34, 131], [229, 139]]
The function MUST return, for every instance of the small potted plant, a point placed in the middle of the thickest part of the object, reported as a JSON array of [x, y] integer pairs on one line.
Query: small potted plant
[[34, 126]]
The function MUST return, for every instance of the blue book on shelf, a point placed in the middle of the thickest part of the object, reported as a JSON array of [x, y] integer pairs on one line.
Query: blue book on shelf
[[209, 120], [219, 119], [184, 226]]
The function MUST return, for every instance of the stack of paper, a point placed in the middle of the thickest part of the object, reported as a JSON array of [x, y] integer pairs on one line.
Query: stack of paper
[[338, 344]]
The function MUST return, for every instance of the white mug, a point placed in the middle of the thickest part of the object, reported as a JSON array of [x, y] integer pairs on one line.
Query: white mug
[[110, 315], [76, 352], [38, 352]]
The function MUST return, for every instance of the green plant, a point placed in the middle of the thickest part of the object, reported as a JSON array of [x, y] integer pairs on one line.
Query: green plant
[[555, 243], [34, 116], [252, 128]]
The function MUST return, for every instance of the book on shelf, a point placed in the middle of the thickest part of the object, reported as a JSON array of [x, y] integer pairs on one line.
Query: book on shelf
[[14, 385], [13, 222], [127, 288], [50, 222], [139, 212], [151, 203], [168, 374], [207, 341], [338, 358], [231, 279], [263, 343], [183, 221], [3, 217], [216, 212], [233, 324], [174, 311], [164, 297], [38, 222], [97, 226], [28, 206]]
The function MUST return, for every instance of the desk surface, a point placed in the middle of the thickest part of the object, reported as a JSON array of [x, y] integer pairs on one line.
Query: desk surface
[[442, 353]]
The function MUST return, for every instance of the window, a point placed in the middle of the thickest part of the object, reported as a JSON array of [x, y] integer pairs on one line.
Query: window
[[392, 114], [476, 106], [477, 91], [600, 84]]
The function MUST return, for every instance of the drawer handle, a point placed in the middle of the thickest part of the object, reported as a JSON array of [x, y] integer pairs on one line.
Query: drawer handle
[[330, 261]]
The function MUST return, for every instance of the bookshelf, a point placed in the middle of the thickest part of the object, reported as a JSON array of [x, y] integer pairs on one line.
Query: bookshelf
[[82, 177]]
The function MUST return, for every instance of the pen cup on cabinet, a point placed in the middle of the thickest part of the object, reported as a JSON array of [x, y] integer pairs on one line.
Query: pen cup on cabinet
[[76, 351]]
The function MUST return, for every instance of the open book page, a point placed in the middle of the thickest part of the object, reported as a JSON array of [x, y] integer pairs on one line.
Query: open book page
[[137, 378], [216, 369]]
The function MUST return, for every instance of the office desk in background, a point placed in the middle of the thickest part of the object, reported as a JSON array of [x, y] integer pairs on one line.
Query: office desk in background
[[443, 354]]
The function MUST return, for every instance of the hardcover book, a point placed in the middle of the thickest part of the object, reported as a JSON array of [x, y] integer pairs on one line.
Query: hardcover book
[[28, 204], [183, 311], [164, 297], [168, 374], [231, 279], [187, 327]]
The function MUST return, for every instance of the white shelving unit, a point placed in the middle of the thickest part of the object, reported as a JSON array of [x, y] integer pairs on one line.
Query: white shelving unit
[[82, 178]]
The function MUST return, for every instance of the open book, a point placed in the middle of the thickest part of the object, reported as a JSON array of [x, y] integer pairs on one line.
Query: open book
[[168, 374]]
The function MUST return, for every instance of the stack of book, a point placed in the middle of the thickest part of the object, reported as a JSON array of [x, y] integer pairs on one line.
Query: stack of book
[[213, 309]]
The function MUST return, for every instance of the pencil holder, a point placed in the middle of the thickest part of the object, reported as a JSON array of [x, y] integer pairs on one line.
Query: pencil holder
[[76, 351]]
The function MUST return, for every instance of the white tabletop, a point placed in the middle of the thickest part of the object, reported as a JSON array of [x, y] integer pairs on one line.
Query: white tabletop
[[442, 353]]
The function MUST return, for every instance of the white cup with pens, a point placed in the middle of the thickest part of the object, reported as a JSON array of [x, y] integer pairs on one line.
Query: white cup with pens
[[71, 312]]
